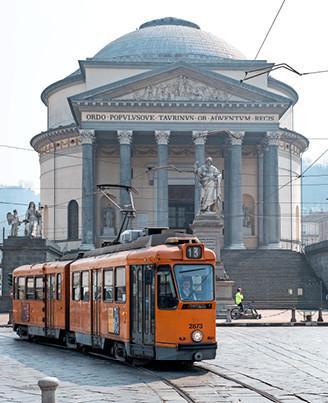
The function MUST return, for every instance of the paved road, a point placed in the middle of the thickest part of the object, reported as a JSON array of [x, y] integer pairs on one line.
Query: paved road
[[290, 364], [293, 359]]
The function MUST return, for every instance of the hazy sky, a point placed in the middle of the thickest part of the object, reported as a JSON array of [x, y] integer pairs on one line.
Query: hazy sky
[[42, 41]]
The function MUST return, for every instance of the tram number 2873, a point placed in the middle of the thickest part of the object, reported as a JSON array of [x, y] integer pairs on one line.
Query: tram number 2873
[[195, 326]]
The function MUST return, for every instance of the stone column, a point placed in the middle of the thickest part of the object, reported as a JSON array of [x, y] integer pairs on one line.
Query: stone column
[[199, 139], [260, 195], [235, 209], [162, 139], [125, 139], [271, 208], [88, 189], [226, 179]]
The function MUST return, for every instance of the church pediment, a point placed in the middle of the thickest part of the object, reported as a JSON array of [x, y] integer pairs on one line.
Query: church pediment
[[181, 88], [180, 83]]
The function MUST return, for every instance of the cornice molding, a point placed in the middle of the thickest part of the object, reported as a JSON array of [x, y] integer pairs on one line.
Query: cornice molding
[[53, 135]]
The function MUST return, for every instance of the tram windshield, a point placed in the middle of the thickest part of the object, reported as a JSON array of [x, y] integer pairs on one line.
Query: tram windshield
[[195, 281]]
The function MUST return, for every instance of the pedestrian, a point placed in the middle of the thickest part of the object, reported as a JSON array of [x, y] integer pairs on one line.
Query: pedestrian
[[239, 299]]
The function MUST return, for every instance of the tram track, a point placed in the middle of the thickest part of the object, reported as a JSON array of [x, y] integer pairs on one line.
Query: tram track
[[268, 396], [186, 393], [271, 350]]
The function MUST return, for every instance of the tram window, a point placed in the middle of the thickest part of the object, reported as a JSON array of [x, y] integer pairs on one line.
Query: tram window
[[195, 281], [108, 285], [15, 287], [51, 287], [59, 286], [76, 286], [85, 286], [21, 288], [166, 294], [30, 292], [149, 292], [96, 284], [120, 289], [39, 290]]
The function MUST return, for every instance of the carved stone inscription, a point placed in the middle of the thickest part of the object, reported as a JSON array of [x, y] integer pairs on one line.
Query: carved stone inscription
[[178, 117]]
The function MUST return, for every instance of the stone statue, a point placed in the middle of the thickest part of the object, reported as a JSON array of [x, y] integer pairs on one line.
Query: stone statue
[[210, 180], [13, 220], [32, 221], [246, 217]]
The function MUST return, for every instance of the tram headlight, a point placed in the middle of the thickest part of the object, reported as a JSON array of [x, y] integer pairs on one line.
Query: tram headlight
[[197, 336]]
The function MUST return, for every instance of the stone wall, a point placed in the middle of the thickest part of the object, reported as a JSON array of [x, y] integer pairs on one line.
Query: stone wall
[[317, 256]]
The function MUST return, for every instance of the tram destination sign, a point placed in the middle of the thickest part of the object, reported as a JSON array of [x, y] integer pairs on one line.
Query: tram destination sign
[[179, 117]]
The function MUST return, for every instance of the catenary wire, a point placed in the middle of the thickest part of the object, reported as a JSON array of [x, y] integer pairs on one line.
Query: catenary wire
[[271, 26]]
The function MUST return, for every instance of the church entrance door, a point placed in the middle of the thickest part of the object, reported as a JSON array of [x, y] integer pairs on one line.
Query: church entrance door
[[181, 206]]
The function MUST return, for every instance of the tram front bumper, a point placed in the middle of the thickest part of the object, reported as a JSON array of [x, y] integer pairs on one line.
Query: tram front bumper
[[186, 352]]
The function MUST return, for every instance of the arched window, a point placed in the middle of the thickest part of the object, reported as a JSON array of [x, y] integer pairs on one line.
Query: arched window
[[73, 220]]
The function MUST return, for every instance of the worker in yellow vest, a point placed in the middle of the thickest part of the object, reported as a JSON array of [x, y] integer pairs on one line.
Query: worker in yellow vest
[[239, 299]]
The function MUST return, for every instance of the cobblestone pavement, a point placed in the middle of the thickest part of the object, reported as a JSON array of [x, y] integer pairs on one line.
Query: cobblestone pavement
[[294, 361], [288, 363]]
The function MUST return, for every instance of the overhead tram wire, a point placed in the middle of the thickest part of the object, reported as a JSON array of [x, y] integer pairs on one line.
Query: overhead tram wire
[[267, 34], [261, 71], [58, 153]]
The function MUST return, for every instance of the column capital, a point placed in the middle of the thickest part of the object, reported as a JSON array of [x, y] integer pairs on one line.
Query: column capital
[[162, 136], [124, 136], [87, 136], [272, 138], [199, 136], [235, 138]]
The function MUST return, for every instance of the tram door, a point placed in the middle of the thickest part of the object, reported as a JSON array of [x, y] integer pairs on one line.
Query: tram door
[[50, 299], [95, 304], [143, 307]]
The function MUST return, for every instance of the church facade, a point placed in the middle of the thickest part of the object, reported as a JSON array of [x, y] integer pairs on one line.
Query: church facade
[[147, 109]]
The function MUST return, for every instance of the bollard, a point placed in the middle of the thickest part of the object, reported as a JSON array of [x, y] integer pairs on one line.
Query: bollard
[[48, 388], [320, 318], [228, 316], [293, 318]]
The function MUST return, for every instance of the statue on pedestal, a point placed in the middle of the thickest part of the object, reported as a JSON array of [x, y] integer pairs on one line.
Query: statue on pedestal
[[32, 221], [13, 220], [210, 180]]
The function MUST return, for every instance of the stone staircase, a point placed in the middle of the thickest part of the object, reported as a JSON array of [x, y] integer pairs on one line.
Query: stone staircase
[[275, 279]]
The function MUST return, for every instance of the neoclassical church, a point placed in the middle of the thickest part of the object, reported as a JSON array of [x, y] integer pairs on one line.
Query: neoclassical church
[[143, 111]]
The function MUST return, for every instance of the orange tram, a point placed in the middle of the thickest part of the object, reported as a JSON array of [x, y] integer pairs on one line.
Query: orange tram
[[152, 299]]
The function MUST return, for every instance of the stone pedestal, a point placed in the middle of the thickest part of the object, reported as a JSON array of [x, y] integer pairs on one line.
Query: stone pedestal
[[208, 228], [17, 251], [224, 297]]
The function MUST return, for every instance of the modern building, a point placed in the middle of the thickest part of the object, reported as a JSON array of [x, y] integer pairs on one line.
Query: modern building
[[315, 228], [142, 111]]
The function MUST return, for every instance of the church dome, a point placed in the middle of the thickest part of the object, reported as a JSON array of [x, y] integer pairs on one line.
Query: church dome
[[168, 40]]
